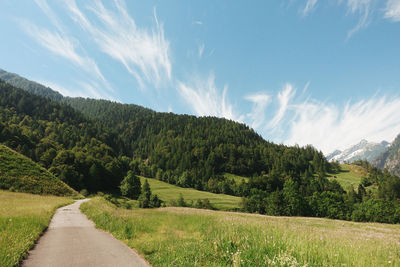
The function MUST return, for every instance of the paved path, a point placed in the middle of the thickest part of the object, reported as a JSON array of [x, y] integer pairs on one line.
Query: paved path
[[72, 240]]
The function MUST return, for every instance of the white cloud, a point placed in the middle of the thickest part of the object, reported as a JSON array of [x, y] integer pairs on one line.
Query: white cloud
[[198, 22], [56, 87], [66, 46], [42, 4], [392, 10], [284, 97], [201, 50], [144, 53], [81, 89], [62, 46], [363, 9], [257, 115], [310, 5], [329, 127], [204, 98]]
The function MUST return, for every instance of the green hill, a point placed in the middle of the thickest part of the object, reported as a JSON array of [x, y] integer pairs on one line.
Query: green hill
[[170, 193], [349, 175], [18, 173]]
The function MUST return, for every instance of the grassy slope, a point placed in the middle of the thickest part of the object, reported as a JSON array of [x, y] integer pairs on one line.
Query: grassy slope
[[191, 237], [168, 192], [349, 176], [238, 179], [23, 217], [19, 173]]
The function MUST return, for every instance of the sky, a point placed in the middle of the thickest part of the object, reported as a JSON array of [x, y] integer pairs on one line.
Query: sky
[[325, 73]]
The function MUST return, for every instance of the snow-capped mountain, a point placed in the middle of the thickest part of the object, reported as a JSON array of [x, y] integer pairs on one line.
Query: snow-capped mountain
[[364, 150]]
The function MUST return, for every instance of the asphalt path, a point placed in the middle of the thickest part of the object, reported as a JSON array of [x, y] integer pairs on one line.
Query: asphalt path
[[73, 240]]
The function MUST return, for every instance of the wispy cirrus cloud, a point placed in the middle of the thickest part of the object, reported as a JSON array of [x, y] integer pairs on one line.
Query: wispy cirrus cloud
[[62, 46], [392, 10], [68, 92], [284, 97], [309, 7], [205, 99], [363, 9], [329, 126], [145, 53], [260, 101], [201, 50], [44, 6]]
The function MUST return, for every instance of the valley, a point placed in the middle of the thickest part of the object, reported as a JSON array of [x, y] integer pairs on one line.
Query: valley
[[200, 133], [182, 178]]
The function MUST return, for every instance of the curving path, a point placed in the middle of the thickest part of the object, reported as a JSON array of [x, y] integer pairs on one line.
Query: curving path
[[72, 240]]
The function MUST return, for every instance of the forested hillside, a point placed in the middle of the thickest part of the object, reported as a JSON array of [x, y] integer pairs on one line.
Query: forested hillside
[[30, 86], [187, 150], [59, 138]]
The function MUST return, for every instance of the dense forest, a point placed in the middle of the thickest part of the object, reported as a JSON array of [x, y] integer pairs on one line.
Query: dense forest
[[61, 139], [92, 144]]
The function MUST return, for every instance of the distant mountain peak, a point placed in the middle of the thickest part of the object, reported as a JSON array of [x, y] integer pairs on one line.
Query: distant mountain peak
[[363, 150]]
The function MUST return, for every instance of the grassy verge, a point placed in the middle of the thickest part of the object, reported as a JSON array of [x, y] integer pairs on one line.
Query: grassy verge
[[191, 237], [169, 193], [23, 217]]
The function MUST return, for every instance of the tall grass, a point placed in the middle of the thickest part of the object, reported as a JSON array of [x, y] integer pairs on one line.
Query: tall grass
[[23, 217], [191, 237]]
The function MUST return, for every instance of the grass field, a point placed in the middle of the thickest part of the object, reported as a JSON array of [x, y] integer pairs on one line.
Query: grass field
[[192, 237], [19, 173], [168, 193], [23, 217], [238, 179], [350, 175]]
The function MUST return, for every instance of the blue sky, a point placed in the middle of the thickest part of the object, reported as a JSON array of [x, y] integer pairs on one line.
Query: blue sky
[[325, 73]]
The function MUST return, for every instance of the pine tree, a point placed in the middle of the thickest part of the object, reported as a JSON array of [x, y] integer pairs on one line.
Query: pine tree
[[130, 186]]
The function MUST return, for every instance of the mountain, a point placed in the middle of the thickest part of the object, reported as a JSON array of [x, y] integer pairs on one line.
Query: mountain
[[18, 173], [390, 159], [30, 86], [362, 151]]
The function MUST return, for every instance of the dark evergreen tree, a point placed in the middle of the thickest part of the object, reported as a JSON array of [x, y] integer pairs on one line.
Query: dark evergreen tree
[[131, 186]]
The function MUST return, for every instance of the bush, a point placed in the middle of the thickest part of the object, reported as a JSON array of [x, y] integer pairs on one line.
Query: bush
[[204, 204], [84, 192]]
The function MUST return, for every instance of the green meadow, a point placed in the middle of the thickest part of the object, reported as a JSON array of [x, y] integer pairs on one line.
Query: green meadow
[[350, 175], [170, 193], [191, 237], [23, 218]]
